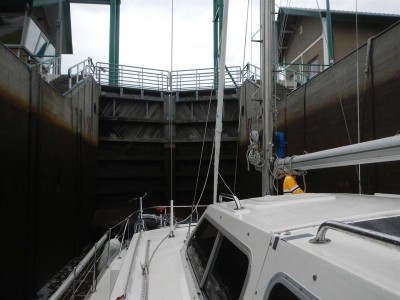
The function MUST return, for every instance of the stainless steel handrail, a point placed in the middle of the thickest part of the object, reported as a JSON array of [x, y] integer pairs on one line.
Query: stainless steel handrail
[[231, 197], [355, 230]]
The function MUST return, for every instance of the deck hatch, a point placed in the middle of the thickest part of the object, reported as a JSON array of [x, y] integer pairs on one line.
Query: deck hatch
[[389, 226]]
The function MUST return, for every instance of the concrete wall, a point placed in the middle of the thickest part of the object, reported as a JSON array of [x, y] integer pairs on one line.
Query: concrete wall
[[47, 174], [313, 120]]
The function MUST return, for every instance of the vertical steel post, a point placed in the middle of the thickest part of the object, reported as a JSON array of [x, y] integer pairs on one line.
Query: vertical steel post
[[117, 24], [329, 32], [171, 220], [94, 269], [59, 34], [267, 8], [114, 41], [216, 41], [73, 284], [220, 103], [108, 250]]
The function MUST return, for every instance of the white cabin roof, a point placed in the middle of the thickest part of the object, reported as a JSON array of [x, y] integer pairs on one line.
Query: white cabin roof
[[275, 232], [275, 214]]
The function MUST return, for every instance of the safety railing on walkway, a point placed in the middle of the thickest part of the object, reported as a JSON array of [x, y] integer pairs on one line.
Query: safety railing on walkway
[[49, 66], [80, 71], [251, 72], [161, 80], [204, 79], [186, 80], [132, 77], [295, 75]]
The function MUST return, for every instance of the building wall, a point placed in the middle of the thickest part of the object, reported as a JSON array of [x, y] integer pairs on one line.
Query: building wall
[[48, 159], [344, 39], [344, 35], [311, 31]]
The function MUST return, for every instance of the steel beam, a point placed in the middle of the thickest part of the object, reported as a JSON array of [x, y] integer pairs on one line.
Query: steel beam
[[329, 32], [381, 150], [114, 41]]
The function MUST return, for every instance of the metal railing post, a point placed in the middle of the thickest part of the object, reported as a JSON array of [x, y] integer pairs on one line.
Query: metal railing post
[[108, 251], [94, 269], [73, 284]]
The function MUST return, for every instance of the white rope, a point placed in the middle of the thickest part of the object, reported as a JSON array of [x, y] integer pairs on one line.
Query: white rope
[[230, 191], [254, 154], [282, 170]]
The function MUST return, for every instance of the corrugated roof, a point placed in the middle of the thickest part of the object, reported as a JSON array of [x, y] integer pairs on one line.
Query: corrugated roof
[[312, 12]]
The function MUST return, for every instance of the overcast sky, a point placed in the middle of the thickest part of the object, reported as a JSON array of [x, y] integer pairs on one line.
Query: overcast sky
[[145, 32]]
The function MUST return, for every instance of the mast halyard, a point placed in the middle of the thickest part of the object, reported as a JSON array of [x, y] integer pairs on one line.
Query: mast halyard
[[267, 7], [220, 103]]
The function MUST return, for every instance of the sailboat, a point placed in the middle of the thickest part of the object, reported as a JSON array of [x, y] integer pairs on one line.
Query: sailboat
[[305, 246]]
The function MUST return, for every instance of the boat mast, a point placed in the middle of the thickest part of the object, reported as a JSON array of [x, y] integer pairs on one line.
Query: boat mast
[[220, 103], [267, 7]]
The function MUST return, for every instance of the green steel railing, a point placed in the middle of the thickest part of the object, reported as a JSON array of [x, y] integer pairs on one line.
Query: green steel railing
[[49, 66], [297, 74]]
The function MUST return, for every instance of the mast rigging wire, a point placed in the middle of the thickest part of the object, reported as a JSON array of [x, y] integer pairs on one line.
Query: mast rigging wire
[[339, 95], [202, 150], [358, 100], [245, 33], [169, 99]]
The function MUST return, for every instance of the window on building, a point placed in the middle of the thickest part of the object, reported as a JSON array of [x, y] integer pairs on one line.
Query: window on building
[[220, 267], [314, 67]]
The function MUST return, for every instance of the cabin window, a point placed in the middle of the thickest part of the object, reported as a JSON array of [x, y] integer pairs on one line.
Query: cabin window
[[200, 246], [283, 287], [281, 292], [220, 267], [226, 279]]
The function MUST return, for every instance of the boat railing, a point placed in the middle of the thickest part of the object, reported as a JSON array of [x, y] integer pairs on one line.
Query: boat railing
[[83, 279], [231, 197], [354, 230], [80, 71]]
